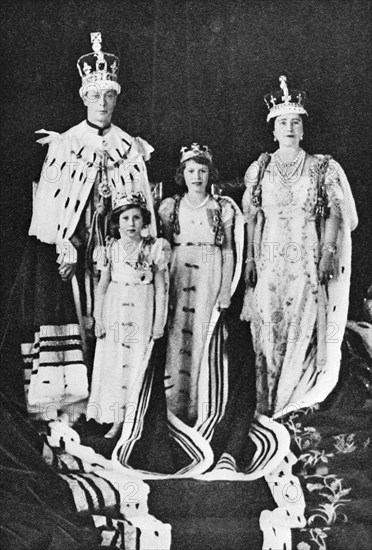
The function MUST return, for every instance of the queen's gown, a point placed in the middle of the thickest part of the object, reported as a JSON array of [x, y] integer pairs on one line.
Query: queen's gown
[[297, 324]]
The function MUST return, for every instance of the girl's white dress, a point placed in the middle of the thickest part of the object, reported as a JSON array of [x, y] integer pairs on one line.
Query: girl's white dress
[[128, 312], [195, 281]]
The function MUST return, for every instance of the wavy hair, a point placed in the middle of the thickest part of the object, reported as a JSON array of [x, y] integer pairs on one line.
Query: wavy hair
[[212, 177]]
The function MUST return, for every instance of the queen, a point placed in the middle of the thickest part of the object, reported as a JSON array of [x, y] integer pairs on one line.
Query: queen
[[299, 213]]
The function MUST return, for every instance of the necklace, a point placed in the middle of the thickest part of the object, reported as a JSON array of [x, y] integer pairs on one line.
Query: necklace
[[200, 205], [289, 172], [291, 163]]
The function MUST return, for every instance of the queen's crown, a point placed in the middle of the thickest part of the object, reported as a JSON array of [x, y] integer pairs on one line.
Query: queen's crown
[[282, 101]]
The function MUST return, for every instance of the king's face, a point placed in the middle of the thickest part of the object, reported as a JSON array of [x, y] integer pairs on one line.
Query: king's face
[[100, 105]]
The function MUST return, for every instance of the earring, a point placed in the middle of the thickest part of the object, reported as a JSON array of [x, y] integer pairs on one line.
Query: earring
[[275, 139], [302, 137]]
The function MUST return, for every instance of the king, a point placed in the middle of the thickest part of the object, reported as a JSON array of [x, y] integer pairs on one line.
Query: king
[[85, 166]]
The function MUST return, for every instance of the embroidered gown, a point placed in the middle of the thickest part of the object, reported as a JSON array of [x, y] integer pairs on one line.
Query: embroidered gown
[[297, 328], [195, 281], [128, 311]]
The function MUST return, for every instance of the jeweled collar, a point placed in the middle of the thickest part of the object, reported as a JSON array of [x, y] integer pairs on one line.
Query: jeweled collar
[[100, 129]]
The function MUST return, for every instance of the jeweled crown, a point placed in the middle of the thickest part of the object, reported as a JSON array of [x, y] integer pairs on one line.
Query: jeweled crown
[[195, 150], [126, 199], [98, 68], [283, 102]]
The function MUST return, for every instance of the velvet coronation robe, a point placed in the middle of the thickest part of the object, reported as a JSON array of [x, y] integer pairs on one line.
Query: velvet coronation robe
[[81, 171]]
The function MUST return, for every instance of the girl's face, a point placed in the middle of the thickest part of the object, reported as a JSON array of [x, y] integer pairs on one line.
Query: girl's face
[[131, 223], [288, 130], [196, 177]]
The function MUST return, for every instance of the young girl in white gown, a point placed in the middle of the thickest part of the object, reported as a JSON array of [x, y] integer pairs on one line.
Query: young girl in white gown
[[130, 311]]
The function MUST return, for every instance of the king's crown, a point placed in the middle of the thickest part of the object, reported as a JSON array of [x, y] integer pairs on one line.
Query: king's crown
[[98, 68]]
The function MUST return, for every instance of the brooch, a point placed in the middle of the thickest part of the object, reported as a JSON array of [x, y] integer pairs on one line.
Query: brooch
[[104, 189]]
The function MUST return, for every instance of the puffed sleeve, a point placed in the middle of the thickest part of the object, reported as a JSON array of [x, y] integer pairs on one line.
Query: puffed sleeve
[[333, 188], [250, 179], [166, 210], [166, 215], [161, 254], [227, 214]]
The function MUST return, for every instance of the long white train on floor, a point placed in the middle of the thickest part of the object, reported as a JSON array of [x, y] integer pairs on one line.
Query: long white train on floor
[[125, 489]]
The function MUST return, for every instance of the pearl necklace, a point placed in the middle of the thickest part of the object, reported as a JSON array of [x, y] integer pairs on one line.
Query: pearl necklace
[[289, 173], [288, 170], [195, 206]]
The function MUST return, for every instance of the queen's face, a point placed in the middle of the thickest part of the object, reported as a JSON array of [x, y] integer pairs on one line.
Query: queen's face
[[196, 177], [288, 130], [100, 105]]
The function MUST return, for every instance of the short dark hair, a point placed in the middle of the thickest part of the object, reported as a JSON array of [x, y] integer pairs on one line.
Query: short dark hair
[[200, 159], [305, 122], [115, 215]]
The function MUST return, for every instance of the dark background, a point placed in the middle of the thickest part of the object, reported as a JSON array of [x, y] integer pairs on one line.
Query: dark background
[[190, 71]]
